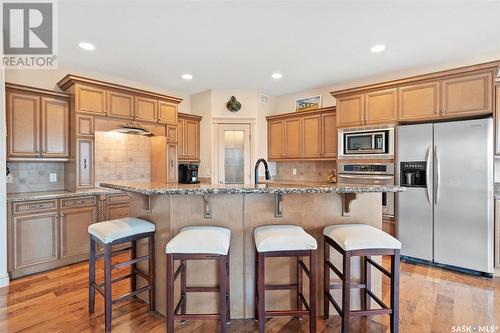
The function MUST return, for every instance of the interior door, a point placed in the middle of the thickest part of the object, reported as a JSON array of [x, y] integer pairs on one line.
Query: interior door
[[234, 154], [463, 194]]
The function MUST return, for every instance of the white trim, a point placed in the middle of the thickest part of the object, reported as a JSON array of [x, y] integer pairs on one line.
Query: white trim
[[4, 277], [243, 121], [4, 281]]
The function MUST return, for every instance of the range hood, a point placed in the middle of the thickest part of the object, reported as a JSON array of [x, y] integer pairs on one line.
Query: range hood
[[133, 127]]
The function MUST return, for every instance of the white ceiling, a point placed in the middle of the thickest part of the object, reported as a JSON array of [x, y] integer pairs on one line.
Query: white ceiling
[[239, 44]]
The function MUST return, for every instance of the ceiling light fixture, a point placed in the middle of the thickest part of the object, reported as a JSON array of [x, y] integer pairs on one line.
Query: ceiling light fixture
[[87, 46], [377, 48], [277, 76], [187, 76]]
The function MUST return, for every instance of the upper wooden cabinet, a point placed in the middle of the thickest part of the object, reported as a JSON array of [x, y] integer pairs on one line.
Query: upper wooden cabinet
[[497, 120], [457, 93], [302, 136], [37, 124], [120, 105], [90, 99], [167, 113], [145, 108], [188, 137]]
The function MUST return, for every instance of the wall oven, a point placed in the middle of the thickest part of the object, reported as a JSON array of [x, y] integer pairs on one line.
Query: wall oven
[[366, 142], [370, 173]]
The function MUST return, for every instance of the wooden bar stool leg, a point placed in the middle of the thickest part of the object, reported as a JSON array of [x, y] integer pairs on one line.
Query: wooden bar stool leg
[[223, 293], [151, 267], [261, 292], [107, 287], [312, 291], [91, 275], [346, 291], [362, 280], [170, 293], [368, 282], [394, 322], [133, 267], [299, 286], [183, 287], [326, 280], [256, 293], [228, 291]]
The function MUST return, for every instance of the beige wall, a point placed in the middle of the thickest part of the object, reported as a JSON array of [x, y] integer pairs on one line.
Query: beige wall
[[48, 79], [4, 278]]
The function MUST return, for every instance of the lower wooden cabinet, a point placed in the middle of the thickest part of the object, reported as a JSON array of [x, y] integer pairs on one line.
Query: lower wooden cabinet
[[114, 212], [74, 235]]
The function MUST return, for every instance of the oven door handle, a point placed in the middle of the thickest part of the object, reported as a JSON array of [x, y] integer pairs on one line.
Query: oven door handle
[[428, 174], [366, 177]]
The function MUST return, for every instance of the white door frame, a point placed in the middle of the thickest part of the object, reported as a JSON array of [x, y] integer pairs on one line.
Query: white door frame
[[215, 144]]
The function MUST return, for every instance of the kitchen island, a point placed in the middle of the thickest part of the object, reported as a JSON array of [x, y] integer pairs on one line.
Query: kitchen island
[[241, 208]]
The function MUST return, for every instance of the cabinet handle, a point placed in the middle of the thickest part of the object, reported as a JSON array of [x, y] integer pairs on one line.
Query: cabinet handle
[[79, 202], [85, 163], [35, 206]]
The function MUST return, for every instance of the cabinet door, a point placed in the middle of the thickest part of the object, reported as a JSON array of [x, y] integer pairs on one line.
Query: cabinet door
[[311, 136], [35, 239], [350, 111], [381, 106], [145, 108], [114, 212], [55, 127], [419, 101], [192, 140], [23, 112], [276, 135], [74, 230], [167, 113], [171, 132], [329, 135], [85, 160], [180, 139], [467, 95], [293, 138], [90, 99], [172, 163], [84, 125], [120, 105]]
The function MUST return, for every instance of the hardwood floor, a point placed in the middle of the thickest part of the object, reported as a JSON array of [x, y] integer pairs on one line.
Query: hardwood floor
[[432, 300]]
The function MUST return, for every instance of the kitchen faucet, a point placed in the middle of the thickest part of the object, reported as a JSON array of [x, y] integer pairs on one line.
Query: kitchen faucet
[[268, 175]]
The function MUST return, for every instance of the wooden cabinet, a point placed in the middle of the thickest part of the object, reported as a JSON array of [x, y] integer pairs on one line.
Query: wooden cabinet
[[120, 105], [55, 128], [37, 124], [145, 108], [74, 231], [167, 113], [172, 170], [188, 137], [380, 106], [419, 101], [163, 160], [350, 111], [84, 125], [171, 133], [85, 159], [467, 95], [90, 99], [302, 136], [114, 212], [497, 117]]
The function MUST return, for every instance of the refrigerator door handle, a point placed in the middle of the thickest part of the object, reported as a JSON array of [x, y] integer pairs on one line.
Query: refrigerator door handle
[[438, 175], [428, 174]]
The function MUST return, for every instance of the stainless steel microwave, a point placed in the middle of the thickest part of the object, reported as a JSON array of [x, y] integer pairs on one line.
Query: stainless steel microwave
[[366, 142]]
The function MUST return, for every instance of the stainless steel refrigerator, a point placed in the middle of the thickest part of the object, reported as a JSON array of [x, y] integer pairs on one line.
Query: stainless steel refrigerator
[[445, 216]]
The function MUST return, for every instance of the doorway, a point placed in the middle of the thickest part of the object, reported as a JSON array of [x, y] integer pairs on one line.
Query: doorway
[[234, 151]]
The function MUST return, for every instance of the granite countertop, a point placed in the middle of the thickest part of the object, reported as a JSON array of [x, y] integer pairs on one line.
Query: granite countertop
[[29, 196], [149, 188]]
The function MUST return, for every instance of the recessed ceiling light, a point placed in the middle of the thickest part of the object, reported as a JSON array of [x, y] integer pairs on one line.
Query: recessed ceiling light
[[187, 76], [87, 46], [277, 76], [377, 48]]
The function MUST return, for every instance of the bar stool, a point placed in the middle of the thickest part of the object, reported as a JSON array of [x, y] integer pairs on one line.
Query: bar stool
[[363, 241], [114, 232], [285, 241], [198, 243]]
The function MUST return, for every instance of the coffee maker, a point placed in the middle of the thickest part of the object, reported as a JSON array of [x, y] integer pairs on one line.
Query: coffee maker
[[188, 174]]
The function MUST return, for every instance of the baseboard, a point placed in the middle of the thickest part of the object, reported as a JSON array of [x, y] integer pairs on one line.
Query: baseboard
[[4, 281]]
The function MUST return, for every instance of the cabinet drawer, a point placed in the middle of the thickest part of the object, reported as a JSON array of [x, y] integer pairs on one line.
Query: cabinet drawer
[[117, 198], [35, 206], [117, 212], [78, 202]]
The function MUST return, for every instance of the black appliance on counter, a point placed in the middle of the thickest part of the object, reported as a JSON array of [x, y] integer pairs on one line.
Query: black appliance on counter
[[413, 174], [188, 174]]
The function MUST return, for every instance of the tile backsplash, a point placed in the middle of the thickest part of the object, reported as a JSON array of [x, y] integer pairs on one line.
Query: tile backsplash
[[121, 157], [314, 171], [35, 176]]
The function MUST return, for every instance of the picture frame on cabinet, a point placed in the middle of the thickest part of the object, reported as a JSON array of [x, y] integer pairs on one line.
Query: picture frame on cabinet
[[310, 103]]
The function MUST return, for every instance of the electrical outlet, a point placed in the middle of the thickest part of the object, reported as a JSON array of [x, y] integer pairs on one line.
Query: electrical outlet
[[53, 177], [294, 172], [10, 178]]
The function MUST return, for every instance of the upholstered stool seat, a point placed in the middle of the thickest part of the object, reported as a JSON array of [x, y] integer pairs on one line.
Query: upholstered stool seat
[[109, 231], [283, 238], [285, 241], [360, 236], [200, 239], [195, 243]]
